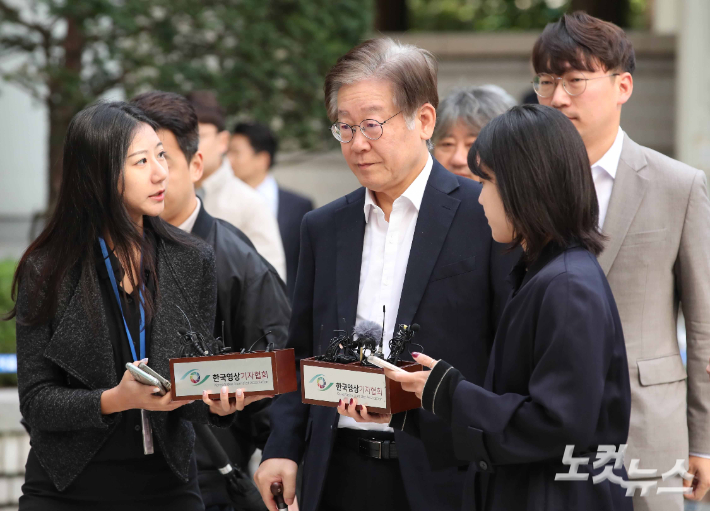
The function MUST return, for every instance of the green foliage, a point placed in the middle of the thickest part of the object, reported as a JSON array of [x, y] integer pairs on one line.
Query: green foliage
[[265, 58], [7, 328], [484, 15]]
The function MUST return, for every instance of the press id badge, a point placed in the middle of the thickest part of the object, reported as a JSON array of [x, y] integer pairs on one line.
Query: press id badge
[[147, 432]]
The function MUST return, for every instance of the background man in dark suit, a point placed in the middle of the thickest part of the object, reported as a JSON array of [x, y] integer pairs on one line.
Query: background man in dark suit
[[252, 152], [414, 239], [251, 297]]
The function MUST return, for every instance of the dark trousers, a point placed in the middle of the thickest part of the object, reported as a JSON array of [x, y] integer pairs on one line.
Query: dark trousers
[[359, 483]]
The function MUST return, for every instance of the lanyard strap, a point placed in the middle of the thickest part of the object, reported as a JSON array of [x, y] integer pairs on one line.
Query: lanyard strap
[[111, 276]]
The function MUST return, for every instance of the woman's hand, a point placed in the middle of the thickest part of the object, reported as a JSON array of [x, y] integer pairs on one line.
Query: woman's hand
[[227, 405], [413, 382], [348, 410], [130, 394]]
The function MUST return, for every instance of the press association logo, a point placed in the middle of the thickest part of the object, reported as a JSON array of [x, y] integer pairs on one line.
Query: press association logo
[[195, 377], [320, 382]]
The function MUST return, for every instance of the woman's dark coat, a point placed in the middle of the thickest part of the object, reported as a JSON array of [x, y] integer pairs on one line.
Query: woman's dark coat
[[557, 376], [65, 365]]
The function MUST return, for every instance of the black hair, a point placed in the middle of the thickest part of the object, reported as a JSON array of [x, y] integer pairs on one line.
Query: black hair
[[543, 174], [172, 112], [90, 204], [260, 137], [582, 42]]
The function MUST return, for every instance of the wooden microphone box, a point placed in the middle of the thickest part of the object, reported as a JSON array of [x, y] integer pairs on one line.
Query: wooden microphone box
[[265, 373], [326, 383]]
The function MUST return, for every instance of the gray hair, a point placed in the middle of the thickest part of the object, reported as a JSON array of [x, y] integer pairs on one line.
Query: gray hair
[[474, 106], [412, 72]]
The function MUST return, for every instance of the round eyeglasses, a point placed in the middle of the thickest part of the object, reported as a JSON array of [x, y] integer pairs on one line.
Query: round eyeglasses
[[370, 128], [574, 83]]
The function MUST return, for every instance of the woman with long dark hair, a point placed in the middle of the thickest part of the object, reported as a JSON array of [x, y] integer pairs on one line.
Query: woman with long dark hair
[[557, 385], [108, 283]]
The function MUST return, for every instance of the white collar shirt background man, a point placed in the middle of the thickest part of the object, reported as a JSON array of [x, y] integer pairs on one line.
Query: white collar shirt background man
[[227, 197]]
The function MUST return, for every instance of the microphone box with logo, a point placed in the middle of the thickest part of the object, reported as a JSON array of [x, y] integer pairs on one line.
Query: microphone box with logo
[[326, 383], [265, 373]]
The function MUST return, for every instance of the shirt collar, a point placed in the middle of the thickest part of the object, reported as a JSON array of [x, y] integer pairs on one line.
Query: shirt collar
[[414, 193], [610, 161], [269, 189], [189, 222]]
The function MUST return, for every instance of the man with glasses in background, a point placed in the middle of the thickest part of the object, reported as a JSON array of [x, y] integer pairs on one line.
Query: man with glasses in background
[[413, 239], [656, 215]]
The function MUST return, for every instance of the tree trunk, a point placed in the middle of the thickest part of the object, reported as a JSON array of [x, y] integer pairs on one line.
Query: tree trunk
[[391, 16], [64, 100], [615, 11]]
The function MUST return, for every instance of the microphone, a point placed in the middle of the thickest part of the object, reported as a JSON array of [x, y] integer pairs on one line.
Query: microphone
[[368, 330], [182, 331], [415, 327]]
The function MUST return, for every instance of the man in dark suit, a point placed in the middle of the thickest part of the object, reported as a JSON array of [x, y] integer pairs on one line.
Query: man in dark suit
[[413, 239], [251, 297], [252, 152]]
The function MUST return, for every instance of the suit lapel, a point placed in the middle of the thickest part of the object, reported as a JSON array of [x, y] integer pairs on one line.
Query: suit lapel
[[349, 233], [626, 197], [79, 349], [436, 213]]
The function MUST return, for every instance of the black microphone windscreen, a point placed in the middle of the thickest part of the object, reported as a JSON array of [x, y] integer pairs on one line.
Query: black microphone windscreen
[[415, 327], [182, 330], [368, 329]]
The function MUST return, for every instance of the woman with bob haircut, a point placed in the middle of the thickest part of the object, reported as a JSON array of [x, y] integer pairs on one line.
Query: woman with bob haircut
[[557, 385], [109, 283]]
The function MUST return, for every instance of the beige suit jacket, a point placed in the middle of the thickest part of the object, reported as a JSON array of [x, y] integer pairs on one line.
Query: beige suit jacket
[[657, 255]]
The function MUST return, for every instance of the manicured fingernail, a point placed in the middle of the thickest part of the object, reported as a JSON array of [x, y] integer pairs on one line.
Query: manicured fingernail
[[416, 354], [156, 389], [239, 392], [225, 390], [204, 393], [351, 400]]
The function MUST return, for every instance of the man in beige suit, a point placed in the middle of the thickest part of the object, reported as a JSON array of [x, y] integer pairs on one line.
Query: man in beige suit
[[656, 214]]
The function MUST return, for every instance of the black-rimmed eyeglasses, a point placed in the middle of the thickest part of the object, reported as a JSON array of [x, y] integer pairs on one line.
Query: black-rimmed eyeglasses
[[370, 128]]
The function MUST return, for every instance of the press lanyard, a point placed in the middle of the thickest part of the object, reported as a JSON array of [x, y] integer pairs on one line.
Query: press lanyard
[[147, 430], [111, 276]]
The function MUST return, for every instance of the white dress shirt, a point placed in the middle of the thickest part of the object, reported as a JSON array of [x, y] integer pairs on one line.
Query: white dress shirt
[[604, 174], [189, 222], [385, 254], [269, 190], [227, 197]]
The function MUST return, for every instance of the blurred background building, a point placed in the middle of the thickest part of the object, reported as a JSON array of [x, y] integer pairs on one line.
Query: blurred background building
[[266, 60]]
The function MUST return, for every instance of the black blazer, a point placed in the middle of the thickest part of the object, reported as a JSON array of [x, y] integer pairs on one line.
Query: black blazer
[[64, 365], [292, 208], [558, 376], [449, 289]]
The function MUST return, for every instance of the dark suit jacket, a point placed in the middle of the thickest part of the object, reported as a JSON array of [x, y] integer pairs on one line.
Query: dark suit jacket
[[558, 376], [65, 365], [449, 290], [292, 208], [251, 299]]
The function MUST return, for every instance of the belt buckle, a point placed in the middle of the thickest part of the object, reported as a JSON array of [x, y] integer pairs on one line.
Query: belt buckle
[[364, 445]]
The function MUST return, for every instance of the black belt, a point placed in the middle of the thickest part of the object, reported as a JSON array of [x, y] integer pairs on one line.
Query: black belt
[[376, 445]]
